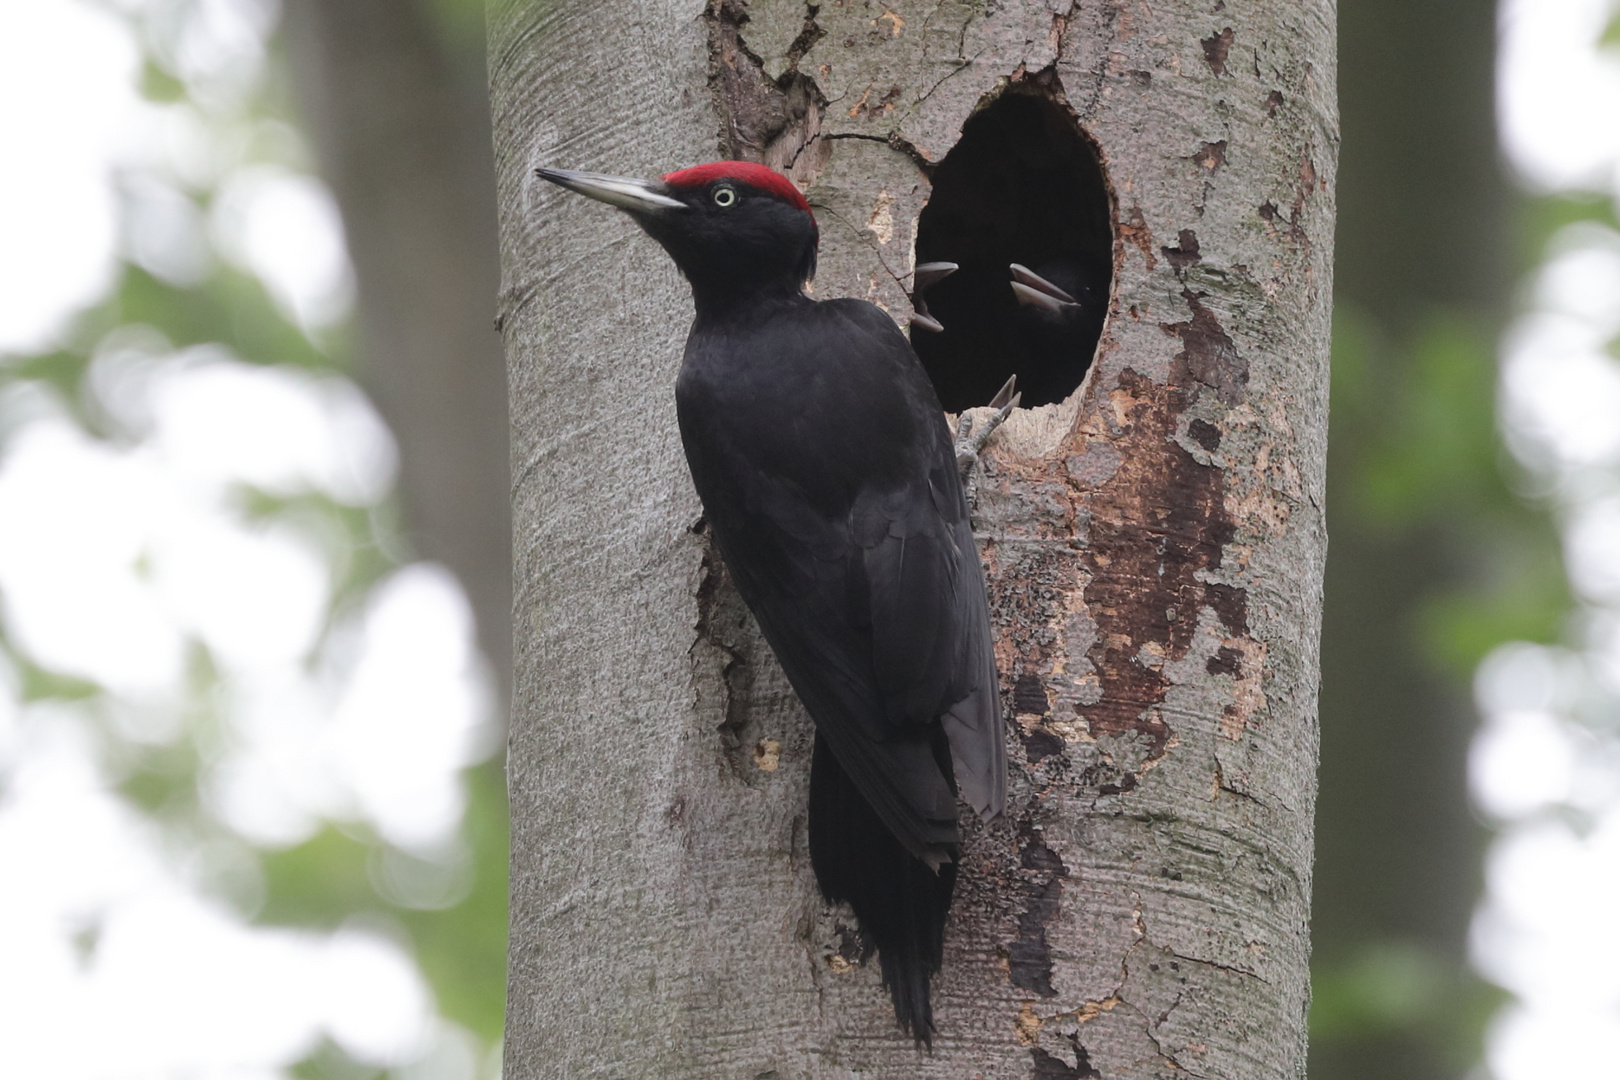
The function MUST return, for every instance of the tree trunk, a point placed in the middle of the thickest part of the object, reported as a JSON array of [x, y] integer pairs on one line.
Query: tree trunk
[[1426, 209], [397, 109], [1154, 549]]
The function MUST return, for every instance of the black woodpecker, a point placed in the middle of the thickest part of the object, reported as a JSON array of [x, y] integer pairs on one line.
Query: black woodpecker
[[828, 477]]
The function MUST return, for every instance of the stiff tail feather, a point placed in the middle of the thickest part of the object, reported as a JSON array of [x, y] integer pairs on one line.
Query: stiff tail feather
[[901, 903]]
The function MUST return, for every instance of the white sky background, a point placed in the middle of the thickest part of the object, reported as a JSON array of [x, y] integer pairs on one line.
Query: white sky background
[[130, 951], [1545, 764]]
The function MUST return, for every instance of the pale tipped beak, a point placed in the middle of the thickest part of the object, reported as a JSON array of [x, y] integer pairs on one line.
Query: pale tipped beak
[[1033, 290], [923, 276], [933, 273], [627, 193]]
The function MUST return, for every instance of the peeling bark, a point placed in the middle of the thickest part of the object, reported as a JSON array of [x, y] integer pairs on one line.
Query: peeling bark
[[1153, 546]]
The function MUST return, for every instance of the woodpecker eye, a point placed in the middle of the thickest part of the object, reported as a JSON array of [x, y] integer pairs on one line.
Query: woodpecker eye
[[724, 196]]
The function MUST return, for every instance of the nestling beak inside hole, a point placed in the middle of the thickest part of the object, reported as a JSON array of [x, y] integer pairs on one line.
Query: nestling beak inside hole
[[1021, 207]]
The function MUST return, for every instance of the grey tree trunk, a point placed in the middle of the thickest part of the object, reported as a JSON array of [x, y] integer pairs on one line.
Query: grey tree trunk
[[395, 102], [1154, 548]]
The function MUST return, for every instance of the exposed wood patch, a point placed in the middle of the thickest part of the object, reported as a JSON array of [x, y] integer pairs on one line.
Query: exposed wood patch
[[1185, 253], [1134, 230], [1216, 48], [773, 121], [1029, 958], [1208, 354], [1158, 527]]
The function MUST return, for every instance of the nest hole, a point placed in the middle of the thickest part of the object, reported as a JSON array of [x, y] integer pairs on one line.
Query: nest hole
[[1023, 185]]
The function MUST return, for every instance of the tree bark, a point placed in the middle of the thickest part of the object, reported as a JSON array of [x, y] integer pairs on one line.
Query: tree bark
[[397, 108], [1154, 548]]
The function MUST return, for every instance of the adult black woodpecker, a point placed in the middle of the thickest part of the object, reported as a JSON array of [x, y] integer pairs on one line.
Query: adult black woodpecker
[[828, 477]]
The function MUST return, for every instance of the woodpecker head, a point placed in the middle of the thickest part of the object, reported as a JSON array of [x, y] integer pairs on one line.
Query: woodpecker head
[[734, 228]]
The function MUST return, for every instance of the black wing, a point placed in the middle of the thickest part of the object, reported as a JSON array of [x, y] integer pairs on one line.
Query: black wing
[[826, 470]]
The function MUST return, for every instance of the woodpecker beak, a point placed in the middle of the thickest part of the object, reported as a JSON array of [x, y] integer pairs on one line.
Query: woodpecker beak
[[932, 273], [923, 276], [636, 196], [1032, 289]]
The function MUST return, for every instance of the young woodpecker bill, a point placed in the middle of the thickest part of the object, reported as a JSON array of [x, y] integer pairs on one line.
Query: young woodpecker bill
[[1061, 310], [829, 479]]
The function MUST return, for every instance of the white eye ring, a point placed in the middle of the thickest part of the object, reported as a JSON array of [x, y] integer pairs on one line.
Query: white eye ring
[[725, 197]]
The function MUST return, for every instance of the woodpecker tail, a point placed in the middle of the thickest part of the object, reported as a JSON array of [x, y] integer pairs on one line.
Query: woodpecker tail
[[900, 902]]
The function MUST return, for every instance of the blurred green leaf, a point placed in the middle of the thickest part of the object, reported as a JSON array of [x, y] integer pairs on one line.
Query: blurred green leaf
[[319, 883], [463, 949], [38, 684], [1435, 446], [1542, 218], [1516, 590], [1611, 33], [328, 1062], [232, 308], [158, 84], [325, 881], [1427, 457], [1397, 988]]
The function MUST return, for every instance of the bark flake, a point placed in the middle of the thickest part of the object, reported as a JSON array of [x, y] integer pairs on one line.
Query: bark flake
[[1029, 958], [1216, 48], [1185, 253], [1048, 1067], [773, 121]]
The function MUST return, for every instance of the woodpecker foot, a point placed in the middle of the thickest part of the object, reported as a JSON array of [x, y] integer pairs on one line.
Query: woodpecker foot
[[1033, 290], [925, 275], [970, 442]]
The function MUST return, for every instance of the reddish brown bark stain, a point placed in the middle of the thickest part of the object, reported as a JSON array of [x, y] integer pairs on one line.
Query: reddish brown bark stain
[[1211, 156], [1040, 744], [1134, 230], [764, 119], [1185, 253], [1205, 434], [1208, 356], [1309, 183], [1029, 696], [1216, 47], [1227, 661], [1048, 1067], [1158, 525], [1029, 959], [1140, 534]]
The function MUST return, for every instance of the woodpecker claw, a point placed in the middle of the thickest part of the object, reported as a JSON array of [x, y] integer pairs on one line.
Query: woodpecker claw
[[922, 277], [1030, 288], [970, 443]]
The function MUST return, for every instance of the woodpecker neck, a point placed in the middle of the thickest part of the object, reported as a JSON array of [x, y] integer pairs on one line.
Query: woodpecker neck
[[720, 300]]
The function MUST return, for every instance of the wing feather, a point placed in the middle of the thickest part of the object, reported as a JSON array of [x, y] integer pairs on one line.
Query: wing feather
[[856, 557]]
